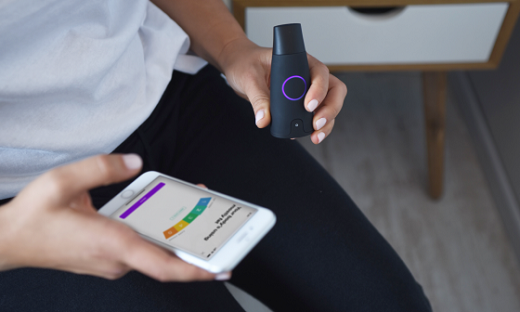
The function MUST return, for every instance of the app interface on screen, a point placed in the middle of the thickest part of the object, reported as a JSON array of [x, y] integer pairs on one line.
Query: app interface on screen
[[184, 217]]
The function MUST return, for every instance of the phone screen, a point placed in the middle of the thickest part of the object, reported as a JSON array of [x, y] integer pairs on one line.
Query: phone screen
[[184, 217]]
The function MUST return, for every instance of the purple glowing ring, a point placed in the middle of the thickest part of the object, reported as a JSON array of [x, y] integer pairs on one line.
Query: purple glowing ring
[[304, 90]]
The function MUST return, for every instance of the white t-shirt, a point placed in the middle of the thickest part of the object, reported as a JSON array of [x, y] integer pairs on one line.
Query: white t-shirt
[[77, 77]]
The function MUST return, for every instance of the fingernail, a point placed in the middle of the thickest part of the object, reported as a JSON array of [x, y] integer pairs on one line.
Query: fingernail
[[321, 136], [223, 276], [259, 116], [132, 161], [312, 105], [320, 123]]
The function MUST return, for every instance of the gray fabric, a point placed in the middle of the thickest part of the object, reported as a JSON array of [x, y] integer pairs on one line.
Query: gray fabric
[[77, 78]]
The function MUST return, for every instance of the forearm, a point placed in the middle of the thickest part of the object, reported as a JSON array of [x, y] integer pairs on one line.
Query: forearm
[[209, 24], [6, 234]]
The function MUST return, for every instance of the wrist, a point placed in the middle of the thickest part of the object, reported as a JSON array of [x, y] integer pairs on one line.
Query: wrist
[[232, 50]]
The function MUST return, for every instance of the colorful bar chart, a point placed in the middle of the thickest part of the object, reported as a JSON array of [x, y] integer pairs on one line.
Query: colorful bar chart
[[190, 217], [141, 201]]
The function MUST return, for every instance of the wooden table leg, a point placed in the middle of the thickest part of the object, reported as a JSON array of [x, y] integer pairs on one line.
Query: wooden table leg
[[434, 89]]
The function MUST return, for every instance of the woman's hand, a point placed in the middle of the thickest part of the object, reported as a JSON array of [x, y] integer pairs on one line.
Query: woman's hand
[[52, 224], [247, 68], [218, 38]]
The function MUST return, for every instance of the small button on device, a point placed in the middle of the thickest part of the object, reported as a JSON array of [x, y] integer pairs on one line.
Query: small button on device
[[127, 194], [297, 128], [297, 124], [294, 88]]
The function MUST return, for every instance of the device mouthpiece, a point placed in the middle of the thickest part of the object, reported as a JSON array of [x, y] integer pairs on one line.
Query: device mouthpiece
[[288, 39]]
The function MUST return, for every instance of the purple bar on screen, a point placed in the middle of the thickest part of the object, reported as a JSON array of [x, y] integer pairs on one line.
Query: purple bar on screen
[[141, 201]]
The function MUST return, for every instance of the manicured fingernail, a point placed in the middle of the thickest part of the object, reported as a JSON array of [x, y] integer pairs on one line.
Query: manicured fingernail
[[259, 116], [312, 105], [320, 123], [321, 136], [223, 276], [132, 161]]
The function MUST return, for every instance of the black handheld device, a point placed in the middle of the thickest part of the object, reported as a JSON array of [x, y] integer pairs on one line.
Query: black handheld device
[[290, 80]]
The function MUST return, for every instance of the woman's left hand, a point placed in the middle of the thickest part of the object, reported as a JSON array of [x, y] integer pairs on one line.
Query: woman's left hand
[[247, 68]]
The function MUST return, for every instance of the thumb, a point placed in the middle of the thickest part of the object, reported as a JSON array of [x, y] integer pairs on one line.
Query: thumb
[[258, 94], [73, 179]]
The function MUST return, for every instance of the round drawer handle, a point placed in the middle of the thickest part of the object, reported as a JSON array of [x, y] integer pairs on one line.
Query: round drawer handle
[[377, 13]]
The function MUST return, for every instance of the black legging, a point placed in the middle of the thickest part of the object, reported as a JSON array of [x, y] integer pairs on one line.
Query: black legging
[[322, 254]]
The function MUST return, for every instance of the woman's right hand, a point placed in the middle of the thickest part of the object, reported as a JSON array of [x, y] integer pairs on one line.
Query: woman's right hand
[[52, 224]]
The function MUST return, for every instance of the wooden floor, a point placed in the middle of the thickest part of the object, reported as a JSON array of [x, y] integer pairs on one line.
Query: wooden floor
[[456, 247]]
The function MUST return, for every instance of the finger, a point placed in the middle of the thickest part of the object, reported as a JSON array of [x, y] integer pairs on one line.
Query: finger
[[202, 185], [319, 84], [318, 136], [258, 92], [117, 274], [161, 265], [104, 269], [331, 105], [71, 180]]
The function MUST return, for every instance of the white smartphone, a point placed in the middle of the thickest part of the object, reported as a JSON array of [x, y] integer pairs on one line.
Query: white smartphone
[[202, 227]]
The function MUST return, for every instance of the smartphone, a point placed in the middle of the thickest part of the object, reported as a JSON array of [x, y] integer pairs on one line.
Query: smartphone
[[205, 228]]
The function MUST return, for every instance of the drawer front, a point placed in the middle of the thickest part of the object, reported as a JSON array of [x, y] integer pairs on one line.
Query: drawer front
[[453, 33]]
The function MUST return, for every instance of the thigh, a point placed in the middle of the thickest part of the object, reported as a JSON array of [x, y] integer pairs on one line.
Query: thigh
[[323, 254], [49, 290]]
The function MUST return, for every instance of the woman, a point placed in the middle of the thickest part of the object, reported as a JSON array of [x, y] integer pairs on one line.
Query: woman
[[81, 78]]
